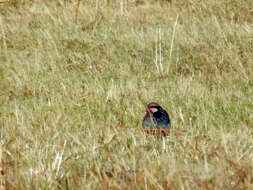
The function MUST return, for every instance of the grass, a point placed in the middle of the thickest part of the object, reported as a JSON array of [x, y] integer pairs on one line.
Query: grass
[[73, 94]]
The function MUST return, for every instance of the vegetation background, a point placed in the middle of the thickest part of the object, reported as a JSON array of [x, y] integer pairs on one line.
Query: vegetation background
[[73, 91]]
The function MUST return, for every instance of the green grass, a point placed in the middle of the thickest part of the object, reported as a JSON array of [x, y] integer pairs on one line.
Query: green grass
[[73, 94]]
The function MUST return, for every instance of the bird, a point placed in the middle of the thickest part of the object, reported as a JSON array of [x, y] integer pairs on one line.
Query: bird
[[156, 120]]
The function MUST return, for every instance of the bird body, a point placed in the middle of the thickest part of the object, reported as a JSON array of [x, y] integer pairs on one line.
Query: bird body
[[156, 118]]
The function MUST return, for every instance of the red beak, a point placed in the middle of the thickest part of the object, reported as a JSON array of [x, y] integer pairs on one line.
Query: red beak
[[148, 109]]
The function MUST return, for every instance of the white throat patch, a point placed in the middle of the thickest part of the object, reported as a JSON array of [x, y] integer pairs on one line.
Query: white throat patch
[[153, 110]]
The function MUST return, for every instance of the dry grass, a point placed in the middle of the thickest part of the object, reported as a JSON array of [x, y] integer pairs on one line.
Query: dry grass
[[73, 91]]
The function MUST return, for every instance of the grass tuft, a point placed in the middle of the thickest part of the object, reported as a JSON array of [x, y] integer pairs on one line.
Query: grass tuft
[[75, 77]]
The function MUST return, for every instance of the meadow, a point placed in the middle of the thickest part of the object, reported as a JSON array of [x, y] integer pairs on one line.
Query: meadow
[[76, 76]]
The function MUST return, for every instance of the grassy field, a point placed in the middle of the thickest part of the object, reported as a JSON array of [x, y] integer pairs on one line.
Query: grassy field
[[74, 87]]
